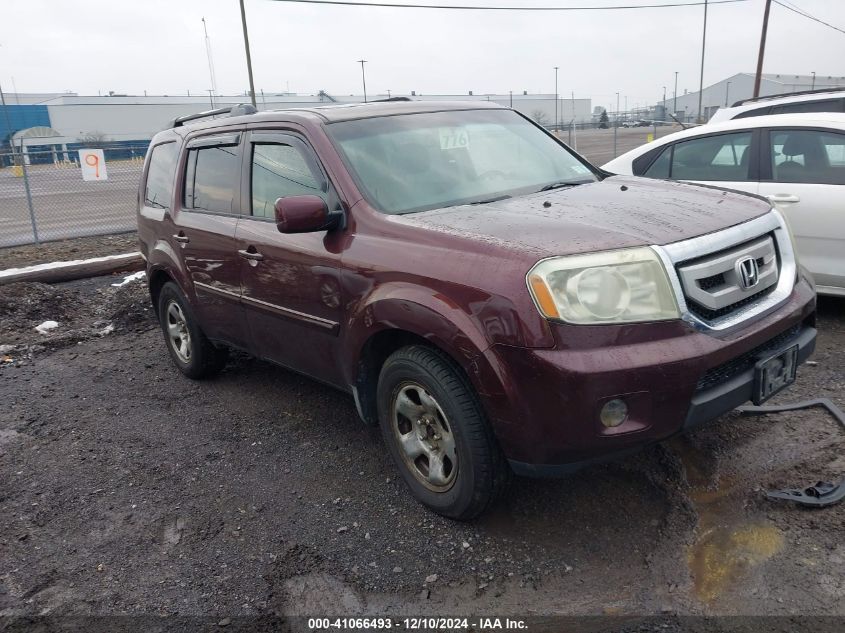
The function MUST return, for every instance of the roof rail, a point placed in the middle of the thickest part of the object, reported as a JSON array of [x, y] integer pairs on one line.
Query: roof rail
[[788, 94], [390, 99], [236, 110]]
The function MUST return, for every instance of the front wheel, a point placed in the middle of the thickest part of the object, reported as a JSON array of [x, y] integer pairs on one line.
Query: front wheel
[[190, 350], [437, 434]]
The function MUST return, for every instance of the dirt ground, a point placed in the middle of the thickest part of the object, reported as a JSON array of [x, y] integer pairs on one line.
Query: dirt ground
[[128, 489], [66, 250]]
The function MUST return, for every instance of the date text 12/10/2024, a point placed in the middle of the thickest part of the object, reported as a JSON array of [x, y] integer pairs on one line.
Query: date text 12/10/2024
[[416, 624]]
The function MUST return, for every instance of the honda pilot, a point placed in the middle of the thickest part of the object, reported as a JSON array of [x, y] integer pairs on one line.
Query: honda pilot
[[494, 302]]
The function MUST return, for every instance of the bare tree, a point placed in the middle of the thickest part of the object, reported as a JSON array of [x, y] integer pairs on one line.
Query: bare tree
[[540, 117], [94, 140]]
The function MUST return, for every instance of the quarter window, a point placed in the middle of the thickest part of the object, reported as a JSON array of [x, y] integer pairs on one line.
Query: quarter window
[[808, 156], [278, 171], [724, 157], [158, 191], [660, 167], [210, 178]]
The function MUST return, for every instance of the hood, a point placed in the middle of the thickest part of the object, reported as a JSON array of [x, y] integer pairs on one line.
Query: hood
[[618, 212]]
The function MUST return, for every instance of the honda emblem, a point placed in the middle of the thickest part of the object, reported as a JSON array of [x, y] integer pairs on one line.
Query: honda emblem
[[747, 272]]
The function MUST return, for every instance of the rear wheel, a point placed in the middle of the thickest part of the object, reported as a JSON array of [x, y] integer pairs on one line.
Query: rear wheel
[[192, 353], [437, 434]]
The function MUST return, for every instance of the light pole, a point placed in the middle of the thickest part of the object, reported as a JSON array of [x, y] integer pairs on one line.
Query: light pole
[[615, 125], [363, 77], [557, 100], [675, 97], [248, 57], [701, 76], [727, 91], [813, 87]]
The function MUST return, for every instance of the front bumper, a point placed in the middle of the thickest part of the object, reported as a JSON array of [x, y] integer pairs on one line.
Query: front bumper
[[671, 376]]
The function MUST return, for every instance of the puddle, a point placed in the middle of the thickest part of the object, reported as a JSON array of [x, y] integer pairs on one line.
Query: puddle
[[728, 545]]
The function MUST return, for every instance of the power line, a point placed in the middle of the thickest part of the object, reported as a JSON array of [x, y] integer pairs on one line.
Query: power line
[[808, 16], [393, 5]]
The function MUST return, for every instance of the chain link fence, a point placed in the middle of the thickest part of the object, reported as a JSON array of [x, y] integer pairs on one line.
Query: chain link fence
[[43, 196]]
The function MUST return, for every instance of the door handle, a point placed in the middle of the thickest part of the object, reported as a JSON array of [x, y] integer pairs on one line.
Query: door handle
[[783, 197], [181, 237], [252, 255]]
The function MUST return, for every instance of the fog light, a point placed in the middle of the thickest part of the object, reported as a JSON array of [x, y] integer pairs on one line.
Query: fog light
[[613, 413]]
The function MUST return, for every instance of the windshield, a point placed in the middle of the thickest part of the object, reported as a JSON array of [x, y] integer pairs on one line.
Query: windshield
[[415, 162]]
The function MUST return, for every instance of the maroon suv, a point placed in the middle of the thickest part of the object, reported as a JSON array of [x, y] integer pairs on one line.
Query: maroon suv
[[490, 299]]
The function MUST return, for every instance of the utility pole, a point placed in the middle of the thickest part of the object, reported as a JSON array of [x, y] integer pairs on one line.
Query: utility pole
[[664, 96], [511, 97], [813, 87], [727, 91], [363, 77], [701, 76], [557, 101], [762, 52], [248, 57], [675, 104]]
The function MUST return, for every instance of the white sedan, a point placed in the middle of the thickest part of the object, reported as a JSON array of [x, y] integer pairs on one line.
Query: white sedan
[[797, 161]]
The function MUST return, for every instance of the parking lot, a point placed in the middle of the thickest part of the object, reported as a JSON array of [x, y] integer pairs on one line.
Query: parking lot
[[65, 206], [130, 489]]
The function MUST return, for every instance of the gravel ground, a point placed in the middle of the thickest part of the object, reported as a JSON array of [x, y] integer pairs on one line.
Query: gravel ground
[[128, 489]]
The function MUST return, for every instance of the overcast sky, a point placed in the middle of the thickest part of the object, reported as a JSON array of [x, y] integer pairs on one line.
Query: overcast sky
[[129, 46]]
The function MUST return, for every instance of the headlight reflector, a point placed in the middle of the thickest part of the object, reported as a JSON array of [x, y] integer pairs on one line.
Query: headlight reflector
[[622, 286]]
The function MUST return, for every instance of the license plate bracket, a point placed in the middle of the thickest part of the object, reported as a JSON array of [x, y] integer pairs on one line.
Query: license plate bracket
[[774, 373]]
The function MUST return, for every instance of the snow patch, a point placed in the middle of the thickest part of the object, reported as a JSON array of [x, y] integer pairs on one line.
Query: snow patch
[[130, 278], [10, 272], [109, 328], [46, 327]]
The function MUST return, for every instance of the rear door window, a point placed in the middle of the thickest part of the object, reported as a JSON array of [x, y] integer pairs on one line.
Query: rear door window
[[824, 105], [158, 190], [808, 156]]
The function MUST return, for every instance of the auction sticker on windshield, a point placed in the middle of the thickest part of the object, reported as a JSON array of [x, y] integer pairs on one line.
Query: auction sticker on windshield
[[453, 138]]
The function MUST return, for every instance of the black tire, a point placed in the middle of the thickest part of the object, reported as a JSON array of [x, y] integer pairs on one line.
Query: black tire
[[202, 359], [465, 489]]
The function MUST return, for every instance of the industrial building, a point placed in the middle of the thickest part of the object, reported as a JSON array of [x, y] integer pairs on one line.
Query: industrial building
[[50, 127], [741, 86]]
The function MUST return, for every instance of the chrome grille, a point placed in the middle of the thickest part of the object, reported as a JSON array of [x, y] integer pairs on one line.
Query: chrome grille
[[704, 248], [720, 283]]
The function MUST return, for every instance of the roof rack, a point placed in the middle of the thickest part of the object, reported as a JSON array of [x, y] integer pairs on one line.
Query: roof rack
[[236, 110], [788, 94]]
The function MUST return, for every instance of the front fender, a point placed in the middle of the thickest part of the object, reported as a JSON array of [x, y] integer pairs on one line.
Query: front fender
[[429, 315]]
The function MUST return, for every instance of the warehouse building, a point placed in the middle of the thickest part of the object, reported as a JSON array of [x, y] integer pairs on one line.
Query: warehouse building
[[50, 128], [741, 86]]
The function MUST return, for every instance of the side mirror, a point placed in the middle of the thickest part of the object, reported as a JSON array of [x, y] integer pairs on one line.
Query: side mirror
[[303, 214]]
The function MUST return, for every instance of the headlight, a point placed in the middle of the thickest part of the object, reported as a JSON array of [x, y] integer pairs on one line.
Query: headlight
[[622, 286]]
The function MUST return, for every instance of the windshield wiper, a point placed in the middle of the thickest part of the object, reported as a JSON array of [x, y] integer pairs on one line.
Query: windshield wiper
[[494, 199], [559, 185]]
